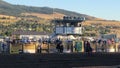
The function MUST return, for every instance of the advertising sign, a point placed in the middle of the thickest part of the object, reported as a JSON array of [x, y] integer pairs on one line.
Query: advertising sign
[[79, 46], [14, 49], [30, 48]]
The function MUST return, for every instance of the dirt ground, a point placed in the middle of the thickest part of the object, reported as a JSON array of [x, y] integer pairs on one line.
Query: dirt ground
[[118, 66]]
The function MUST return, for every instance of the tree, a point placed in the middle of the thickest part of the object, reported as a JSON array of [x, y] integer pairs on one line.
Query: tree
[[8, 33]]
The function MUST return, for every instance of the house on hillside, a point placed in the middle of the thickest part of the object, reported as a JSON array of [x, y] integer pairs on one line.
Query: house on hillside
[[20, 34]]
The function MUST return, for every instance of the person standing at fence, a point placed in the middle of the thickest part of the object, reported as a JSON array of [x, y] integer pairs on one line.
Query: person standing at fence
[[61, 48], [88, 47], [85, 46], [58, 47], [69, 45], [103, 46], [3, 47], [119, 47], [76, 46], [39, 48]]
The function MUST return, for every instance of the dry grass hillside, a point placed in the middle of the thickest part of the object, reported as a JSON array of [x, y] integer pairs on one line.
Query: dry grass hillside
[[105, 23], [6, 19], [44, 16], [47, 17]]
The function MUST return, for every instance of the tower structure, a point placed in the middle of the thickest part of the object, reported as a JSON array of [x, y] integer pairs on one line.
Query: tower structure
[[68, 26]]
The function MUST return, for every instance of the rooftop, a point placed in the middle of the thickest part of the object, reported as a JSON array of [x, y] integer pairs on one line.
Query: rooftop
[[22, 32], [67, 19]]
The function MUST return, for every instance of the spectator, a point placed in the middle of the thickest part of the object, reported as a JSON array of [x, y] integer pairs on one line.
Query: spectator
[[88, 47], [61, 48], [58, 47], [39, 48]]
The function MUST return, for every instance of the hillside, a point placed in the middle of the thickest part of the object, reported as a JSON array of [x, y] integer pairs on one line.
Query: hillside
[[20, 17], [16, 10]]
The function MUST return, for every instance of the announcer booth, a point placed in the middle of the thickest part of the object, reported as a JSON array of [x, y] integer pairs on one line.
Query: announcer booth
[[68, 26]]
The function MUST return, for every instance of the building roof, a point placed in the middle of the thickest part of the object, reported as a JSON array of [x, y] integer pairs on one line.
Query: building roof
[[22, 32], [69, 19]]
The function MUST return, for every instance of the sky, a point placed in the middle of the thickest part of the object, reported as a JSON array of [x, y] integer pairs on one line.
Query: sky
[[106, 9]]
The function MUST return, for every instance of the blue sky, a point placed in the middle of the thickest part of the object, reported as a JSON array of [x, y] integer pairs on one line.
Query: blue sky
[[106, 9]]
